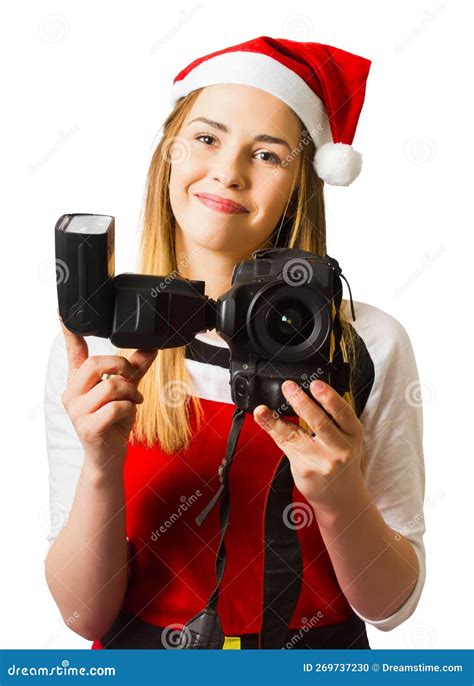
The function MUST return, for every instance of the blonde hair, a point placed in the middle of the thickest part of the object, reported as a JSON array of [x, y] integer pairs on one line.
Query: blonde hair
[[164, 415]]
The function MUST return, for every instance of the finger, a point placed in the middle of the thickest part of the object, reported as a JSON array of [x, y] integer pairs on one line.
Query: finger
[[291, 438], [95, 367], [77, 349], [91, 372], [105, 392], [320, 422], [142, 360], [110, 414], [335, 405]]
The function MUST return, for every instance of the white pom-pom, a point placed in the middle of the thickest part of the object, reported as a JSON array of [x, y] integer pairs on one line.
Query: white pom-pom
[[337, 163]]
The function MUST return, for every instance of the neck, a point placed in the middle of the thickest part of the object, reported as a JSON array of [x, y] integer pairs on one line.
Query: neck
[[215, 268]]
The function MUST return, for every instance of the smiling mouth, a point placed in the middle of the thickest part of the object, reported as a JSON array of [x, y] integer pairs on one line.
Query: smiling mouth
[[220, 205]]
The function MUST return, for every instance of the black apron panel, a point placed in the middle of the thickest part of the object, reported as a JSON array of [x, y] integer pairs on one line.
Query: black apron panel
[[348, 635], [283, 563], [129, 632]]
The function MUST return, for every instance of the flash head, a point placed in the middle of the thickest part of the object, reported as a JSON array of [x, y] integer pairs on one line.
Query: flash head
[[133, 310]]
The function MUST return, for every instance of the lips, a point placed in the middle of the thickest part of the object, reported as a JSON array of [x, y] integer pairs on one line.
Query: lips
[[220, 204]]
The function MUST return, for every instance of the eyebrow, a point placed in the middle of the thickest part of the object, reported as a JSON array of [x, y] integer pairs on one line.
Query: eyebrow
[[262, 138]]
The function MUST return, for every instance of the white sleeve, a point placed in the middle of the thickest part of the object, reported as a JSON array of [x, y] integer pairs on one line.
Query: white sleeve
[[64, 449], [393, 441]]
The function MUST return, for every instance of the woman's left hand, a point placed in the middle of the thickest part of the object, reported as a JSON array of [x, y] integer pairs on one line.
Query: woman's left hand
[[325, 467]]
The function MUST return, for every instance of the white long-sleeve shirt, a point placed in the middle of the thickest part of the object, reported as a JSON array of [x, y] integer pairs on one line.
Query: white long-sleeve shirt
[[391, 415]]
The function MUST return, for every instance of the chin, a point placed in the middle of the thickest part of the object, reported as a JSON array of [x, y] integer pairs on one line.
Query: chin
[[218, 240]]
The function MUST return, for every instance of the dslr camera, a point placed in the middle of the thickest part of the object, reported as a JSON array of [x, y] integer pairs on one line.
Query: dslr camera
[[280, 318]]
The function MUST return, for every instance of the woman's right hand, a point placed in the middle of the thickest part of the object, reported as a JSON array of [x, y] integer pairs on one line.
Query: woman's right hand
[[103, 411]]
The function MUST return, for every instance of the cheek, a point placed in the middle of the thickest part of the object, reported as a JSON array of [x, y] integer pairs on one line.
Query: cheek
[[272, 195], [184, 173], [174, 188], [181, 178]]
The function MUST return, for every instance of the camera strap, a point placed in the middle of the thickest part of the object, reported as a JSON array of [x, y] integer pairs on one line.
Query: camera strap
[[339, 374], [204, 630]]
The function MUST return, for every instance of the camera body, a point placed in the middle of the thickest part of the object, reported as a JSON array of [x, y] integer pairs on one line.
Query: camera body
[[280, 318], [277, 319]]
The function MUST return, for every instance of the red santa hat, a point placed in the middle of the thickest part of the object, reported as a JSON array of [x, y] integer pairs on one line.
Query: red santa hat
[[324, 85]]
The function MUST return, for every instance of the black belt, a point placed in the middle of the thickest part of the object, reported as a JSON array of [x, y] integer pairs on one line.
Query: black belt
[[129, 632]]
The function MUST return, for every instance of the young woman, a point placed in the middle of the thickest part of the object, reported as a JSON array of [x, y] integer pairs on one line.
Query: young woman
[[255, 131]]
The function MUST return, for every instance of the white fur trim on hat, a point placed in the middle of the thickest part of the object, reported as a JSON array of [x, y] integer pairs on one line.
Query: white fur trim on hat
[[337, 163], [266, 73]]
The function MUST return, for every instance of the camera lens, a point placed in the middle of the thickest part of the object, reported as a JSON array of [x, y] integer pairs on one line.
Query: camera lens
[[289, 322]]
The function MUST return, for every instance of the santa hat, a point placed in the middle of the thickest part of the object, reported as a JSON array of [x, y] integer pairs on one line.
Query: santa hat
[[324, 85]]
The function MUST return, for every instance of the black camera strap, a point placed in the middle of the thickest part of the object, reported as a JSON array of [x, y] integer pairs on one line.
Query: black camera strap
[[204, 630], [339, 370]]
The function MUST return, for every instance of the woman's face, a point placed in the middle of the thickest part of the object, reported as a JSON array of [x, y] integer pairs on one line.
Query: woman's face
[[216, 154]]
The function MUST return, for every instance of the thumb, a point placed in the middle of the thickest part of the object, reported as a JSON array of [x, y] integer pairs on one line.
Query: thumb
[[76, 346]]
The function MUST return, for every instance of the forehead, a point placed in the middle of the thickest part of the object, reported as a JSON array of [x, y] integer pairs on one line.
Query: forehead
[[247, 110]]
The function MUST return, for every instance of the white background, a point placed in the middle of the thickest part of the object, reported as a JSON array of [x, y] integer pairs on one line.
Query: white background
[[85, 89]]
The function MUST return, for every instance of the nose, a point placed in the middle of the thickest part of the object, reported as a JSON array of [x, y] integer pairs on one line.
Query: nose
[[228, 170]]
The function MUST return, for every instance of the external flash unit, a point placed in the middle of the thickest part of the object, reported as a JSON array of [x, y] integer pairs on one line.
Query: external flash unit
[[133, 310]]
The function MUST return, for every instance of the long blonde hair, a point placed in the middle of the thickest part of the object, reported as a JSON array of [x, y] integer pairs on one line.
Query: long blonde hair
[[164, 415]]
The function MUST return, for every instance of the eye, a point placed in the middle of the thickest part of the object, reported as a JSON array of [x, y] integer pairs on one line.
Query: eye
[[204, 135], [273, 158]]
